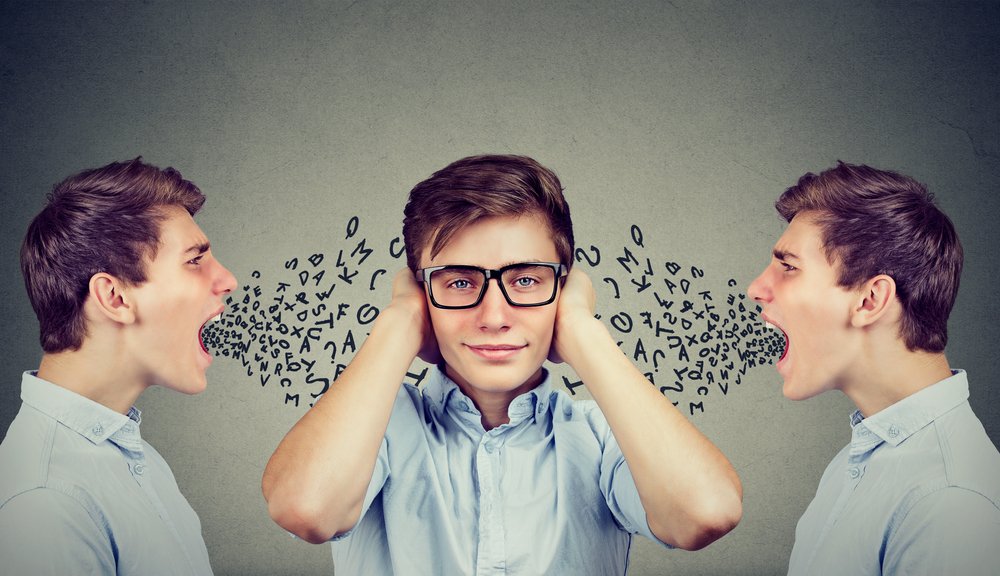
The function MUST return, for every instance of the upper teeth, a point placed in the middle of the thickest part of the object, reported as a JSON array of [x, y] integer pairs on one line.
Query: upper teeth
[[771, 326], [216, 318]]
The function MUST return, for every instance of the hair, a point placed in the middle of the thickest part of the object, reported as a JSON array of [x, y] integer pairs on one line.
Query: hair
[[880, 222], [101, 220], [479, 187]]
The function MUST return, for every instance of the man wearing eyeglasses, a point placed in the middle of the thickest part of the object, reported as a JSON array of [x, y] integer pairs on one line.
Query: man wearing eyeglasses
[[486, 469]]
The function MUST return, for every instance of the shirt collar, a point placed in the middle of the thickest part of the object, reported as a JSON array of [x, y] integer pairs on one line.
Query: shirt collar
[[89, 419], [899, 421], [445, 394]]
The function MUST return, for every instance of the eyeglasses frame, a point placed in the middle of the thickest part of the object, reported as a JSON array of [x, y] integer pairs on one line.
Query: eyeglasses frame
[[423, 275]]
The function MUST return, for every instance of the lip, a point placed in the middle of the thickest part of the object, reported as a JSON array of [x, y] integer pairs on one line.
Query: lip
[[495, 352]]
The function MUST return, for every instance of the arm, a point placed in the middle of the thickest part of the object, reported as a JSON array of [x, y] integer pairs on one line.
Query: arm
[[316, 480], [690, 491]]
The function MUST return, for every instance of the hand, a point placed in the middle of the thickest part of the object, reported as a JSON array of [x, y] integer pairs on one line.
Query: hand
[[574, 308], [408, 297]]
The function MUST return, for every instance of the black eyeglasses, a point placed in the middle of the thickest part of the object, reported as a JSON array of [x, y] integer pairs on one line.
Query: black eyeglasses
[[525, 285]]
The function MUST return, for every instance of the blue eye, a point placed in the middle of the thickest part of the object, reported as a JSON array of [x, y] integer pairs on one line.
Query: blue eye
[[525, 282]]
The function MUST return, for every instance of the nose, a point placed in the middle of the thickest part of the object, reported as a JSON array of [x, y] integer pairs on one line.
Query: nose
[[494, 310], [225, 282], [759, 290]]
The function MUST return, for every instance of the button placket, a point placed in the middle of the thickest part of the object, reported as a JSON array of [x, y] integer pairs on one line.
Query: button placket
[[492, 548]]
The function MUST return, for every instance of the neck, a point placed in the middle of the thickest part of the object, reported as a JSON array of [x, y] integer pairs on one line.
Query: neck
[[494, 405], [94, 372], [887, 376]]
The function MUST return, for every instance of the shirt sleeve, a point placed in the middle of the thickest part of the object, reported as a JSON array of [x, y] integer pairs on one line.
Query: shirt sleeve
[[379, 475], [43, 531], [400, 421], [618, 487], [950, 531]]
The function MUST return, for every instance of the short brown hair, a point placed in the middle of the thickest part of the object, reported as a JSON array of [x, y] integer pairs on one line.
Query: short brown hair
[[478, 187], [881, 222], [101, 220]]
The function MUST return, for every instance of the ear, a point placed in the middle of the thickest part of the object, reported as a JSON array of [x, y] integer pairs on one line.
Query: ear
[[876, 298], [108, 297]]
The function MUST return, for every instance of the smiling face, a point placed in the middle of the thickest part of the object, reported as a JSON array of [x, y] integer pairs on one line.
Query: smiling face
[[799, 295], [495, 350], [184, 289]]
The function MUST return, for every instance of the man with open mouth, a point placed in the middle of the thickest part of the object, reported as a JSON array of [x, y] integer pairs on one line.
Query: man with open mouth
[[486, 469], [122, 280], [861, 283]]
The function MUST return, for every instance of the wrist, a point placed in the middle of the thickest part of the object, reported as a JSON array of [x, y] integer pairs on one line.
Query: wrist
[[574, 333], [402, 325]]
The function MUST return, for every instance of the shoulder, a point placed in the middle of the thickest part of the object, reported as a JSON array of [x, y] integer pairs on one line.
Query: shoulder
[[582, 415], [410, 411], [38, 453], [951, 458], [969, 459], [26, 452], [53, 501]]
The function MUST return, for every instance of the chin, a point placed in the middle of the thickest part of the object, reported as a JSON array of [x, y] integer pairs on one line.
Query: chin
[[793, 392], [497, 378], [192, 386]]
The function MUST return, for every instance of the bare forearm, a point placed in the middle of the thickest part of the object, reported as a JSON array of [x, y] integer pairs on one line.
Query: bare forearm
[[316, 480], [689, 489]]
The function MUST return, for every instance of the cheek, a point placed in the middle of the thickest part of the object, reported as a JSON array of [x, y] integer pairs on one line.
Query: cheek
[[822, 322], [543, 324], [445, 326]]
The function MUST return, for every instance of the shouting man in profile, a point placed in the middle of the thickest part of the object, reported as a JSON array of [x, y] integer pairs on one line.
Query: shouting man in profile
[[486, 469], [861, 283], [122, 281]]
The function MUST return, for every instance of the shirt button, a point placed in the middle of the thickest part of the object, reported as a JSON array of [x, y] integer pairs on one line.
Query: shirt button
[[854, 472], [139, 469], [893, 431], [489, 447], [97, 429]]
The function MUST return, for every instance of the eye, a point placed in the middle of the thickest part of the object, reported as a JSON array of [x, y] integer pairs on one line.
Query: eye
[[787, 267], [196, 261], [460, 284], [525, 282]]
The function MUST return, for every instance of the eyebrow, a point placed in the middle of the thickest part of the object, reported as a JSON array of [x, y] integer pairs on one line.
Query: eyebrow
[[199, 248], [783, 255]]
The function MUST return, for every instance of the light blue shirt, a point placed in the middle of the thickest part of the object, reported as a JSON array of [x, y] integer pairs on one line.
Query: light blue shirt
[[82, 493], [917, 491], [547, 493]]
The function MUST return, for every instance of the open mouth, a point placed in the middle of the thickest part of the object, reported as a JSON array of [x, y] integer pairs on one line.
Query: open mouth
[[201, 331], [774, 326]]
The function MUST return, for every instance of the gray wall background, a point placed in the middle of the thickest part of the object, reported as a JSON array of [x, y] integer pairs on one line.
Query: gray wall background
[[683, 118]]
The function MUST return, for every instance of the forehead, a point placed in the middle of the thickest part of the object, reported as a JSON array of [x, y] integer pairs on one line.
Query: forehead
[[803, 238], [178, 233], [497, 241]]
